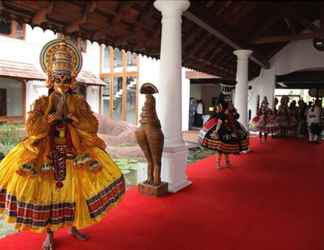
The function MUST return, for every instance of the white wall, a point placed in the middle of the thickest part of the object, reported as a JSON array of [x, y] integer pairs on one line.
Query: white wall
[[149, 71], [295, 56], [91, 59], [264, 85], [93, 98], [34, 89]]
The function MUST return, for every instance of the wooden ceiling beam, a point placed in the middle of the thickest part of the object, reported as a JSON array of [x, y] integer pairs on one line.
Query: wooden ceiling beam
[[200, 61], [200, 45], [308, 24], [190, 41], [283, 39], [75, 25], [217, 51], [261, 62], [210, 3], [293, 14], [41, 15], [221, 58], [267, 25], [223, 8], [114, 25], [208, 50]]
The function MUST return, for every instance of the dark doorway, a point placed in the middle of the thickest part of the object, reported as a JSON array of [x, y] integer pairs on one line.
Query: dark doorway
[[3, 102]]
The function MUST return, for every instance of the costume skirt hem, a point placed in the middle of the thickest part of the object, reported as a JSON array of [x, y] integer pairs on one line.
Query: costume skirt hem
[[29, 217], [225, 148]]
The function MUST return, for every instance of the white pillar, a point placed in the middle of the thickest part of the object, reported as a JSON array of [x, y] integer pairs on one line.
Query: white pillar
[[169, 104], [241, 89]]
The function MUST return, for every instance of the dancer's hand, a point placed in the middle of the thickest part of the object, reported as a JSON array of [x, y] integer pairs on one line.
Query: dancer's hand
[[52, 117], [72, 117]]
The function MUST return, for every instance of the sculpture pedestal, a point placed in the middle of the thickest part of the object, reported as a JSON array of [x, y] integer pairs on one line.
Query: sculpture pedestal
[[174, 167], [148, 189]]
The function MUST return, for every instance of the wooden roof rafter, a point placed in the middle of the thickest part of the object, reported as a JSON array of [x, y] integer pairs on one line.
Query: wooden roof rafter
[[41, 15], [200, 45], [217, 51], [212, 68], [262, 62], [87, 10], [208, 49]]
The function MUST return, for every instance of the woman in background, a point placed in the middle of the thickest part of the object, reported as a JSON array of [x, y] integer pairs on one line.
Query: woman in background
[[313, 121], [264, 121]]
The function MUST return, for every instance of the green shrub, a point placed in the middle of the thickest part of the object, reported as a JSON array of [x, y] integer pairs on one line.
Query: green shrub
[[198, 153], [10, 135]]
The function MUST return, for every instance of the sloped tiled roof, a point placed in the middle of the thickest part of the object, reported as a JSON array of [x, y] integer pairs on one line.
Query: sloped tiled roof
[[28, 71], [20, 70], [89, 78]]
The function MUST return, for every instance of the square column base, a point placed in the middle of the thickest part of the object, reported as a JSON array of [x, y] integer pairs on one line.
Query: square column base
[[174, 165]]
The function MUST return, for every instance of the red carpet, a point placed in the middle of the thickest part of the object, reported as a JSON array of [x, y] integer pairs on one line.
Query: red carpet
[[273, 199]]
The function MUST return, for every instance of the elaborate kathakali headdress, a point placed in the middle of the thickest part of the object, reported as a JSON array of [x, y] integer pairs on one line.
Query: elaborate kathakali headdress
[[61, 60], [226, 93]]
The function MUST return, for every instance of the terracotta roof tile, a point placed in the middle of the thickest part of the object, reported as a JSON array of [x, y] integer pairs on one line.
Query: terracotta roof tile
[[20, 70], [29, 72]]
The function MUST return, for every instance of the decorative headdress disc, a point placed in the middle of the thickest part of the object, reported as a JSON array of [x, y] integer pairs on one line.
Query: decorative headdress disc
[[61, 55]]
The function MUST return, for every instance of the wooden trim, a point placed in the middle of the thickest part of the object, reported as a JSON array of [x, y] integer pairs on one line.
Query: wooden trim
[[137, 98], [190, 16], [111, 92], [123, 74], [283, 39], [118, 74], [124, 86], [100, 99], [24, 97]]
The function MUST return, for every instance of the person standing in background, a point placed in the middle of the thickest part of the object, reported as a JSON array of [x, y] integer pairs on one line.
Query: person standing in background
[[313, 123], [199, 113], [302, 106], [192, 112]]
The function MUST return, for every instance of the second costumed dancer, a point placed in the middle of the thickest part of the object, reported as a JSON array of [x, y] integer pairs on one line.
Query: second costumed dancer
[[223, 133], [264, 121]]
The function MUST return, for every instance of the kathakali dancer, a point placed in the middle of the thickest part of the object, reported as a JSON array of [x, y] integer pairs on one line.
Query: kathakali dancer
[[264, 121], [223, 133], [60, 175]]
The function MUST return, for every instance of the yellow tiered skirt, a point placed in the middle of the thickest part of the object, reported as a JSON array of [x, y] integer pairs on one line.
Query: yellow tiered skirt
[[33, 202]]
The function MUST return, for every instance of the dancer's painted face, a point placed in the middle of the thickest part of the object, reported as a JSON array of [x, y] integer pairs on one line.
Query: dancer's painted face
[[62, 83]]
